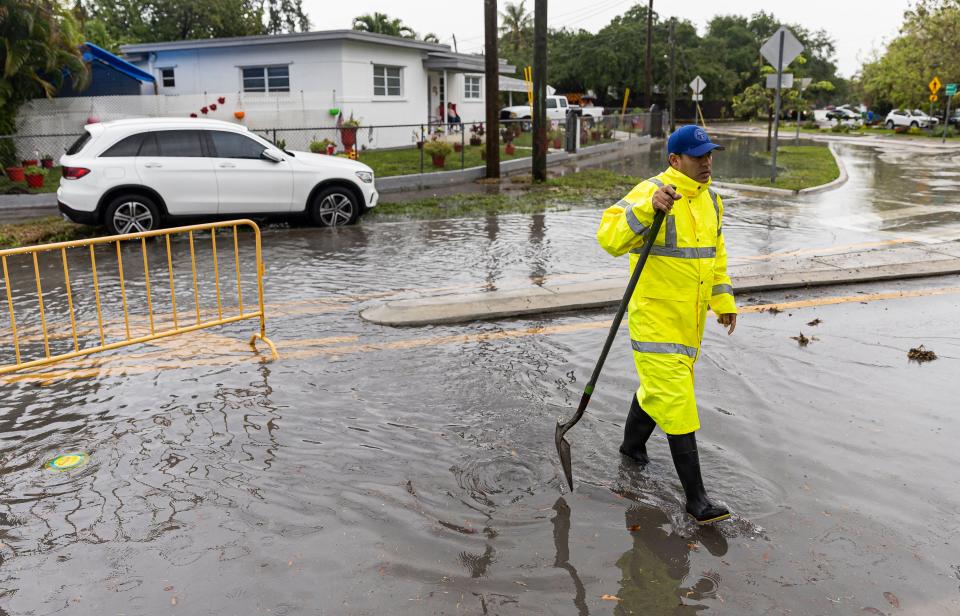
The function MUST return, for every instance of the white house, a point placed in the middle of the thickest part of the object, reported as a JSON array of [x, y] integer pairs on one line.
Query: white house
[[295, 80]]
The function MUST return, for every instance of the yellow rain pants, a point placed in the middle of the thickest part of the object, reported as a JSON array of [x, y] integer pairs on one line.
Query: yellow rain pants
[[685, 273]]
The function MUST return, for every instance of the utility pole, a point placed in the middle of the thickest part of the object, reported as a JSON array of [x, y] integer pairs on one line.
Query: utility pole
[[673, 77], [649, 67], [540, 91], [492, 89]]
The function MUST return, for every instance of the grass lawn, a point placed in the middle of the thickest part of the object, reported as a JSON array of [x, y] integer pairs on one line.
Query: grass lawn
[[516, 194], [50, 183], [798, 166], [43, 231], [405, 161], [936, 133]]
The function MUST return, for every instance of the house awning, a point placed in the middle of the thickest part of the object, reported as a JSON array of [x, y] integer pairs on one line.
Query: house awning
[[512, 84], [92, 52], [460, 63]]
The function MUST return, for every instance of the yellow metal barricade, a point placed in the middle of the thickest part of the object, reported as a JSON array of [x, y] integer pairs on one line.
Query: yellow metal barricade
[[101, 332]]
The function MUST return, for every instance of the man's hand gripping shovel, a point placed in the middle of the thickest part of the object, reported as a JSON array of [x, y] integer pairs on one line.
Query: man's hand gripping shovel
[[563, 447]]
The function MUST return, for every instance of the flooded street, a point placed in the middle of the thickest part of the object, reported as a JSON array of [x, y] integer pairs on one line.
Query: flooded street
[[376, 470]]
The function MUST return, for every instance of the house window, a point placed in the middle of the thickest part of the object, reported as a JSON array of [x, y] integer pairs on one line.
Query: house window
[[471, 86], [386, 80], [266, 78], [166, 78]]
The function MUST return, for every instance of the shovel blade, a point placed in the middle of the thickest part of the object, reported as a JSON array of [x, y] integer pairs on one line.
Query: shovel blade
[[563, 450]]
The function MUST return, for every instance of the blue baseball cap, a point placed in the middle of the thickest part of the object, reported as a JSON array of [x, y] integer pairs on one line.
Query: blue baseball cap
[[692, 141]]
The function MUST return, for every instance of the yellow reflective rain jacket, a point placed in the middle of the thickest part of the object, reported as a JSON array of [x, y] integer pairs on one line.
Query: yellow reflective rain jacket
[[685, 273]]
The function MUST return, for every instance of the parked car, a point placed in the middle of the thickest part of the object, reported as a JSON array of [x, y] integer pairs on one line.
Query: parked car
[[901, 117], [134, 175], [557, 107], [954, 119], [925, 120]]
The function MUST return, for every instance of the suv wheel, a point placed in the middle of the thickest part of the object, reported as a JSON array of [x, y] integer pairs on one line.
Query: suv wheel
[[914, 125], [889, 124], [131, 214], [334, 207]]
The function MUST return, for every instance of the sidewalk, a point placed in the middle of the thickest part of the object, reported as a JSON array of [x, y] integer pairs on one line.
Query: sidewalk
[[787, 271]]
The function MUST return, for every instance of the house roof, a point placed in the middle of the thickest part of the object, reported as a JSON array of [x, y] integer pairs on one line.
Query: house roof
[[93, 53], [292, 37], [461, 63]]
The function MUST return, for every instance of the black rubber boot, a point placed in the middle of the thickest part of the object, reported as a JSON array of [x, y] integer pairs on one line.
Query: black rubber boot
[[687, 460], [636, 431]]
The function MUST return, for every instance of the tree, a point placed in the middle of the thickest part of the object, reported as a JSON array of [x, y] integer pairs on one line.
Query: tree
[[928, 45], [116, 22], [40, 45], [381, 23], [517, 25]]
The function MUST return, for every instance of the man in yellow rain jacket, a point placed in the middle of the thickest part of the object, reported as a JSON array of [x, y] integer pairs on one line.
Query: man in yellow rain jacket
[[685, 274]]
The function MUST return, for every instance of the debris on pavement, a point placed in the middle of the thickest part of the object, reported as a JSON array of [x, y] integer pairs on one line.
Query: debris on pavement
[[814, 322], [921, 354], [803, 340]]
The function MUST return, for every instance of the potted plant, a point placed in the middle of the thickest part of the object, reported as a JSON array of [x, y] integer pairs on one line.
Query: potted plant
[[47, 161], [457, 146], [438, 151], [30, 162], [556, 138], [476, 134], [281, 144], [416, 139], [348, 133], [14, 172], [507, 134], [35, 176], [322, 147]]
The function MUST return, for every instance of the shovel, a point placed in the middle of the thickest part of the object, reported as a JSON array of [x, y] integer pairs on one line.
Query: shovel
[[563, 447]]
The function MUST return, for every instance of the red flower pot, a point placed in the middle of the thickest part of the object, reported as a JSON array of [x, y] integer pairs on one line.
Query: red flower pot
[[35, 181], [419, 145], [510, 149], [348, 136], [557, 143], [331, 149], [438, 160], [30, 162], [595, 135], [457, 147], [15, 174], [47, 163]]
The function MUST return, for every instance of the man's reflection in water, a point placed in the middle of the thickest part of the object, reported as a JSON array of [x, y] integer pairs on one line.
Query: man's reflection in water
[[561, 540], [657, 563]]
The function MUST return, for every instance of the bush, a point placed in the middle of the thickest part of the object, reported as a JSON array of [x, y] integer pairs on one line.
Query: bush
[[438, 148], [840, 128], [809, 124], [914, 131], [320, 147], [34, 170]]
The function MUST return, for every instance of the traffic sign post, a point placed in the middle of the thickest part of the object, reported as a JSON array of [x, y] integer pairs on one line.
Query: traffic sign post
[[804, 84], [698, 85], [934, 86], [950, 92], [780, 49]]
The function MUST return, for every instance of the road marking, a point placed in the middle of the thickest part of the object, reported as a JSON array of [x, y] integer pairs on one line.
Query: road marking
[[336, 346]]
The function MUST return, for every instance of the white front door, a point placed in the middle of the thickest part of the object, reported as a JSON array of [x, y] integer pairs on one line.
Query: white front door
[[249, 183], [172, 162]]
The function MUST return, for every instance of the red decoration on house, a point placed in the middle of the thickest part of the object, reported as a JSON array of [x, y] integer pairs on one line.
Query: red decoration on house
[[213, 107], [222, 100], [193, 115], [204, 110]]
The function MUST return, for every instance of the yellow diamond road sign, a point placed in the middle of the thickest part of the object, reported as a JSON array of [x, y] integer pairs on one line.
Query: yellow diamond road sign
[[934, 84]]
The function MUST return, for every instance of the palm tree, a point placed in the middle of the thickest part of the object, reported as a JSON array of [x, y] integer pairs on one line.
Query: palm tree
[[430, 37], [39, 44], [381, 23], [517, 23]]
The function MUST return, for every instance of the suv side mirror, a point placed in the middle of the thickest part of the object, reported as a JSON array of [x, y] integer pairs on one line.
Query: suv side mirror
[[271, 156]]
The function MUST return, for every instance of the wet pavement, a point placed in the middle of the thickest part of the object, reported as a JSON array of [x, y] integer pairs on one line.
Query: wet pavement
[[375, 470]]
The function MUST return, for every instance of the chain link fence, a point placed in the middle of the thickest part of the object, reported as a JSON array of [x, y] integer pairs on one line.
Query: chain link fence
[[399, 149]]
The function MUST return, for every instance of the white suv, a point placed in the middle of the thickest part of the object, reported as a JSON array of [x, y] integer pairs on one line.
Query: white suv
[[903, 117], [131, 175]]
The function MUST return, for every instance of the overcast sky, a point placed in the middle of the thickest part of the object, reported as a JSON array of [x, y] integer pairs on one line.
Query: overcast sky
[[857, 28]]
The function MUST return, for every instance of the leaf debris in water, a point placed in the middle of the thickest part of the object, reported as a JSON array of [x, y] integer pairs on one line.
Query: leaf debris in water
[[814, 322], [892, 599], [803, 340], [921, 354]]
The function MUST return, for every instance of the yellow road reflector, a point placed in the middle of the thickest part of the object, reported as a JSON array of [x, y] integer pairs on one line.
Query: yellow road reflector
[[68, 461]]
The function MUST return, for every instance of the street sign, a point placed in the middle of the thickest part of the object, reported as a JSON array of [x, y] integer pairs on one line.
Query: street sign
[[697, 97], [805, 83], [791, 48], [951, 89], [786, 80], [933, 98], [698, 85], [934, 84]]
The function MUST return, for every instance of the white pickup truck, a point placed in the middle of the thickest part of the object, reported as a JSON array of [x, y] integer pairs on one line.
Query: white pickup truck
[[557, 107]]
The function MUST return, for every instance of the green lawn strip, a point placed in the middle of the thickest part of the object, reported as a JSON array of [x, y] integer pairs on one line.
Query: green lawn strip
[[406, 161], [50, 183], [590, 188], [936, 133], [43, 231], [799, 166]]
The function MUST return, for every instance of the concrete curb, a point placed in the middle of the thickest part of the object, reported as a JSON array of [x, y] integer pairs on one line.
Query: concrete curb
[[829, 185], [860, 267], [419, 181]]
